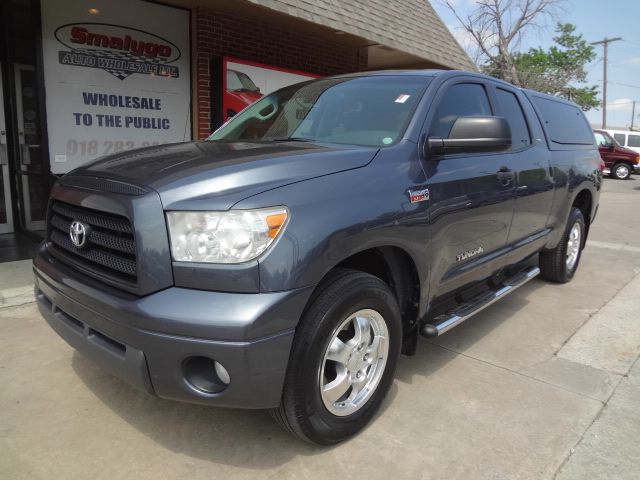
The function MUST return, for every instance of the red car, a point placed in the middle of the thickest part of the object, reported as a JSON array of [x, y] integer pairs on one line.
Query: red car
[[620, 161], [240, 93]]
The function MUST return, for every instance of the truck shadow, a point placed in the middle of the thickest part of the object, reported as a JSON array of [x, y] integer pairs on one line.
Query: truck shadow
[[233, 437], [250, 438], [433, 354]]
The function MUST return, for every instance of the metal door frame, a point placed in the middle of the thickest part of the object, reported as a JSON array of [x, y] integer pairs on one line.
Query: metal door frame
[[8, 226], [24, 175]]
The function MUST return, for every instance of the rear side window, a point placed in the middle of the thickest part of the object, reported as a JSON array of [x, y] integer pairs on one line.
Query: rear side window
[[619, 138], [565, 123], [511, 109], [634, 141], [461, 100]]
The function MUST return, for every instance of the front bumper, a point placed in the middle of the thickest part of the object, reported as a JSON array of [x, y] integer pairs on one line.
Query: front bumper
[[145, 341], [636, 168]]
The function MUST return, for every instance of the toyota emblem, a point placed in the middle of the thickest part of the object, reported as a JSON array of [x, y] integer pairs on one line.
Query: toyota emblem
[[78, 233]]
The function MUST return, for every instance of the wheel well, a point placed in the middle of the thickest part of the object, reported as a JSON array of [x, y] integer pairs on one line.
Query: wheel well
[[584, 202], [397, 269], [622, 160]]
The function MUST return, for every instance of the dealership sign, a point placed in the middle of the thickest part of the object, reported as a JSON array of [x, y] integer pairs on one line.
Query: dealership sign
[[121, 51], [115, 79]]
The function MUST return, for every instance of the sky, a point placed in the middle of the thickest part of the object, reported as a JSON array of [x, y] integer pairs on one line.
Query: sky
[[595, 20]]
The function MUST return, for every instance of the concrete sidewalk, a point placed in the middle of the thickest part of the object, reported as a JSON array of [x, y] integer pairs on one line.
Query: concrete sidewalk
[[16, 283]]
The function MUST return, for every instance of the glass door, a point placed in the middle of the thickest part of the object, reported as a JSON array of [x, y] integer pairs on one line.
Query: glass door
[[34, 181], [6, 212]]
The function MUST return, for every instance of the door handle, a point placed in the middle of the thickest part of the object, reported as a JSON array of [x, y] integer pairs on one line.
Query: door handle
[[505, 175]]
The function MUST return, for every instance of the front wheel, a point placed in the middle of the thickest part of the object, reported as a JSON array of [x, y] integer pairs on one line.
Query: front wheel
[[560, 263], [621, 171], [343, 359]]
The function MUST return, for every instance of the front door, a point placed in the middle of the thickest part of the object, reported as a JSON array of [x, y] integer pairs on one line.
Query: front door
[[471, 196], [32, 174], [6, 212]]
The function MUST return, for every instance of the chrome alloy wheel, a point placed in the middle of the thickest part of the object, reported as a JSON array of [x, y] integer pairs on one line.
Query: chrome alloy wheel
[[573, 246], [354, 362], [623, 171]]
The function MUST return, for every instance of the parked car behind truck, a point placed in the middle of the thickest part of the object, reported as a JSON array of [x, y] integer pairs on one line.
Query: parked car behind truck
[[287, 261], [620, 161]]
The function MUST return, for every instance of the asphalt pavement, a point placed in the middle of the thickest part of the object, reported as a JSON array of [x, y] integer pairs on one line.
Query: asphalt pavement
[[544, 384]]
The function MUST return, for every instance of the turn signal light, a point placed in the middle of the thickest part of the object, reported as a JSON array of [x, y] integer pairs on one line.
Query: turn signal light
[[275, 223]]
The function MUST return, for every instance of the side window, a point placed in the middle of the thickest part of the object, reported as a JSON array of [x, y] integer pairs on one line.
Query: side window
[[565, 123], [600, 139], [620, 138], [512, 110], [634, 141], [461, 100]]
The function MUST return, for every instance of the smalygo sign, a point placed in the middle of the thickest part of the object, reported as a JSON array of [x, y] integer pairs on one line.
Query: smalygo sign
[[121, 51], [117, 77]]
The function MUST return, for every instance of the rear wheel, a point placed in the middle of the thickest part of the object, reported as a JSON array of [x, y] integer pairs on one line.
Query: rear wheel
[[343, 358], [560, 264], [621, 171]]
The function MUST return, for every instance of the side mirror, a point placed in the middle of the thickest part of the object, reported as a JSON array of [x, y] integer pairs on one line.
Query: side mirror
[[474, 134]]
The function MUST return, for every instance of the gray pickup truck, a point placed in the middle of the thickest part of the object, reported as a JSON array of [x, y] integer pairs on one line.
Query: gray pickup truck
[[286, 262]]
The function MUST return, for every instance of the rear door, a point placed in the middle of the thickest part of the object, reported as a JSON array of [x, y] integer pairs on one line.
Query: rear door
[[471, 195], [531, 161]]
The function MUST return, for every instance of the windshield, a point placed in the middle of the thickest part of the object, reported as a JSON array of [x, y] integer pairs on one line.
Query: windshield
[[240, 82], [371, 111]]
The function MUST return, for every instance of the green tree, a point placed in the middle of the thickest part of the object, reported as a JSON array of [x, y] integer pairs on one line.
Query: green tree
[[560, 70]]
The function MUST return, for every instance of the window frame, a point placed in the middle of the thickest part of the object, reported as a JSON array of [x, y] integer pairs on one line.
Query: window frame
[[624, 136], [628, 140], [551, 144], [443, 89], [527, 120]]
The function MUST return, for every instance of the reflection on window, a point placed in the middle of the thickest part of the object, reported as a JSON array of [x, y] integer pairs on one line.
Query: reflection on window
[[371, 111], [460, 100]]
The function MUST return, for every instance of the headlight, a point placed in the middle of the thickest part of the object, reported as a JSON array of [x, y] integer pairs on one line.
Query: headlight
[[224, 237]]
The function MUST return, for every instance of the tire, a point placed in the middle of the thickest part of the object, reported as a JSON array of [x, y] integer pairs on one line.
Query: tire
[[621, 171], [330, 417], [560, 263]]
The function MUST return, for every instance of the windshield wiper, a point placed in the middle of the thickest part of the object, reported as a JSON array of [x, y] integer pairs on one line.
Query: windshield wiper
[[290, 139]]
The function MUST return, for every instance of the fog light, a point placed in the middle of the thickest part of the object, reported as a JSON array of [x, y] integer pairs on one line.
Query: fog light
[[205, 374], [222, 373]]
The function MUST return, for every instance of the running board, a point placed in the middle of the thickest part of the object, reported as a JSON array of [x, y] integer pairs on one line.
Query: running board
[[447, 321]]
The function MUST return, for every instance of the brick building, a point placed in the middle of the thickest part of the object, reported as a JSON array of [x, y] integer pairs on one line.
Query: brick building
[[85, 78]]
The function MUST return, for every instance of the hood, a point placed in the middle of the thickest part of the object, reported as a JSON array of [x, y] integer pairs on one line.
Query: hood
[[216, 175], [626, 151]]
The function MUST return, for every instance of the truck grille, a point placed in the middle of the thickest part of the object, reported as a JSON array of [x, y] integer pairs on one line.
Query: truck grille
[[109, 249]]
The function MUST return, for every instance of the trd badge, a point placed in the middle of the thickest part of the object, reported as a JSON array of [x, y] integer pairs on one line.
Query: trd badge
[[417, 196]]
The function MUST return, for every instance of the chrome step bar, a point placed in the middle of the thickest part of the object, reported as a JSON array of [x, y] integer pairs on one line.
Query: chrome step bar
[[444, 323]]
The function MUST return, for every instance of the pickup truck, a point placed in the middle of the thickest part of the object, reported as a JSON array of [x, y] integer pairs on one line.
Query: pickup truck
[[287, 261]]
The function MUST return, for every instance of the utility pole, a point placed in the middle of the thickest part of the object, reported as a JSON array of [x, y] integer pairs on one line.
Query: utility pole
[[605, 43], [633, 113]]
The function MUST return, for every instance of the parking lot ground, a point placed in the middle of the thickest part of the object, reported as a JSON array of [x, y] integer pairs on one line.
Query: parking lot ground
[[538, 386]]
